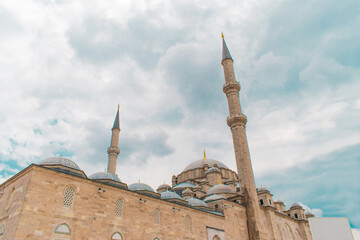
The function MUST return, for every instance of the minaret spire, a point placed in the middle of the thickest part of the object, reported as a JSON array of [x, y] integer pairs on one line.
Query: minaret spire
[[237, 121], [114, 149]]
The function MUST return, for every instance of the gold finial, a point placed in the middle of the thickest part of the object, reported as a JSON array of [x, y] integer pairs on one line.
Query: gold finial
[[204, 154], [222, 35], [219, 180], [118, 106]]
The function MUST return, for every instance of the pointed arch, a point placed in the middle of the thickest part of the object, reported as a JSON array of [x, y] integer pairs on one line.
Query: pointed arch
[[216, 237], [116, 236]]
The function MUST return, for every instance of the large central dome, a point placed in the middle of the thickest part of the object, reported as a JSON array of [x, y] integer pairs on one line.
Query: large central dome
[[201, 162]]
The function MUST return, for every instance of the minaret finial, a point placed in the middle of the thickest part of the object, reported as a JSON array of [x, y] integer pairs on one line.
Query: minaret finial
[[222, 35], [118, 106], [204, 154]]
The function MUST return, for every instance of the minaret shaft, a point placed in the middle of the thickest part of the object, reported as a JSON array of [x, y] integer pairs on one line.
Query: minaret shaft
[[237, 121]]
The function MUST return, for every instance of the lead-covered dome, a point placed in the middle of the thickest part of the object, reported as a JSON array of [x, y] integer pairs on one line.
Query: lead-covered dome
[[195, 202], [201, 162], [140, 187], [213, 197], [220, 188], [60, 161], [169, 195], [104, 175]]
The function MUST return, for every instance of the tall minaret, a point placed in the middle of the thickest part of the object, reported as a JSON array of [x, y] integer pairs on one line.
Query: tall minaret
[[114, 150], [237, 121]]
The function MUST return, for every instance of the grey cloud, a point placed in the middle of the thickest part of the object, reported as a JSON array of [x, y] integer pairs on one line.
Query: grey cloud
[[137, 149]]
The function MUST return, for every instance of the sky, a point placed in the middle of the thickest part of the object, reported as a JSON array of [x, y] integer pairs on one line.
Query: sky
[[66, 65]]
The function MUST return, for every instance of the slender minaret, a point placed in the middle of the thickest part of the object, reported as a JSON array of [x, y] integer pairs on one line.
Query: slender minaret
[[237, 121], [114, 150]]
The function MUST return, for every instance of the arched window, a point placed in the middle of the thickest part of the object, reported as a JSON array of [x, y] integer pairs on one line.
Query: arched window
[[296, 216], [69, 197], [270, 201], [157, 216], [116, 236], [62, 229], [187, 223], [216, 237], [261, 202], [2, 229], [119, 208]]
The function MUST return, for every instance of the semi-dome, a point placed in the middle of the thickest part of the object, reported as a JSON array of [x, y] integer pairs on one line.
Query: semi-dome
[[195, 202], [201, 162], [220, 188], [104, 175], [169, 195], [140, 187], [212, 169], [213, 197], [60, 161], [184, 185]]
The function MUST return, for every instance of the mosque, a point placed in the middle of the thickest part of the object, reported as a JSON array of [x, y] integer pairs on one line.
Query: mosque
[[56, 200]]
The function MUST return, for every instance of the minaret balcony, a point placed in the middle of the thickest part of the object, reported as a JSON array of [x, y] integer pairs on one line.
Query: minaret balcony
[[114, 150], [231, 86], [236, 120]]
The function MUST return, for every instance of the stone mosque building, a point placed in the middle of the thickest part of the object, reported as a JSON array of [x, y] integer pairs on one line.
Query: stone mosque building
[[56, 200]]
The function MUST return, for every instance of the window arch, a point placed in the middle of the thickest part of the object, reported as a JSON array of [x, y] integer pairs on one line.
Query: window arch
[[62, 229], [261, 202], [116, 236], [157, 216], [119, 208], [2, 229], [187, 223], [69, 197], [216, 237]]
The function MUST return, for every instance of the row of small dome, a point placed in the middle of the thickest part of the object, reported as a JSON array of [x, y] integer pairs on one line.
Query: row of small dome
[[220, 188]]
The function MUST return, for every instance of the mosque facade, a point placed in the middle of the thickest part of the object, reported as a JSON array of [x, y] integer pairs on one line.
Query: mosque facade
[[56, 200]]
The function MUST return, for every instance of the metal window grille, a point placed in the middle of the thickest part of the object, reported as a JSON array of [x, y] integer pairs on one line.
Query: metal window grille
[[68, 197], [119, 208]]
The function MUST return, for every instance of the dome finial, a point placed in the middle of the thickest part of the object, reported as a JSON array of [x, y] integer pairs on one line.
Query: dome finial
[[222, 35], [118, 106], [204, 154]]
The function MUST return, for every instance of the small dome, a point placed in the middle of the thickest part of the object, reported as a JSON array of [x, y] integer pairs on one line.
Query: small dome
[[164, 186], [169, 195], [295, 205], [104, 175], [212, 169], [309, 214], [262, 189], [140, 186], [195, 202], [60, 161], [184, 185], [213, 197], [201, 162], [187, 191], [220, 188]]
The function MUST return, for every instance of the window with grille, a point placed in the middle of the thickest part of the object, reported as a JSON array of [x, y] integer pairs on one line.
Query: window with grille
[[157, 216], [187, 223], [119, 208], [69, 197]]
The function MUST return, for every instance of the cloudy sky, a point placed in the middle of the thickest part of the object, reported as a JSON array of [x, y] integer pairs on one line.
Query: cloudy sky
[[65, 65]]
